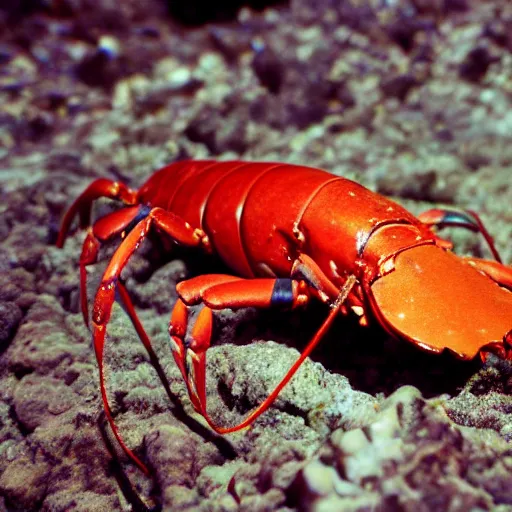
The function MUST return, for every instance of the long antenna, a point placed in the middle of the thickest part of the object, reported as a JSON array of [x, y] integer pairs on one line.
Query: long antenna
[[347, 287]]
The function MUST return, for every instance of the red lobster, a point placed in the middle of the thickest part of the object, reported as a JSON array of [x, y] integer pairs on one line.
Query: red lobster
[[294, 233]]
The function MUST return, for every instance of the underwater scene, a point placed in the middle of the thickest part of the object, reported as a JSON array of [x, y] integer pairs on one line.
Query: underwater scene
[[334, 180]]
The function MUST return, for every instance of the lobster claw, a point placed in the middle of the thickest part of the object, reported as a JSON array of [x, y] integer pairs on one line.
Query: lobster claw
[[196, 382], [191, 357], [192, 367], [196, 358], [444, 303]]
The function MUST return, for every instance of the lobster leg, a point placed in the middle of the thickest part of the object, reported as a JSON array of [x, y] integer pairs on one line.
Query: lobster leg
[[217, 292], [102, 230], [467, 219], [307, 269], [190, 292], [83, 204], [179, 231], [235, 293]]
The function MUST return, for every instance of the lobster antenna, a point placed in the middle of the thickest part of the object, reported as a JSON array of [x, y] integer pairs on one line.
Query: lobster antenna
[[335, 306], [486, 235]]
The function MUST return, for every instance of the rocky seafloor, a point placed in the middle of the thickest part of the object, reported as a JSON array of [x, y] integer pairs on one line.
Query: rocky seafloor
[[411, 98]]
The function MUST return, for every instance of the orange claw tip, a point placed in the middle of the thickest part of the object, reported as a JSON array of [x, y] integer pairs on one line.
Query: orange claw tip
[[433, 216], [437, 216]]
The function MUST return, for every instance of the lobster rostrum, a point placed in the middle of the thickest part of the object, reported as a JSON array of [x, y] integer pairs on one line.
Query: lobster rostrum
[[292, 233]]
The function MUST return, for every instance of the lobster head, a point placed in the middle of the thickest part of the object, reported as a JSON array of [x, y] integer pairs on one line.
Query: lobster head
[[441, 302]]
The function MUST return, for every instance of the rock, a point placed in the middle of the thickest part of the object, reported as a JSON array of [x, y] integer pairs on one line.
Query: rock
[[409, 98], [24, 482], [10, 316], [84, 502], [38, 398], [419, 458], [476, 64], [177, 456]]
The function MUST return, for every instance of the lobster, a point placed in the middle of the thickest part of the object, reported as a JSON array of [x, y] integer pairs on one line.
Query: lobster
[[291, 234]]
